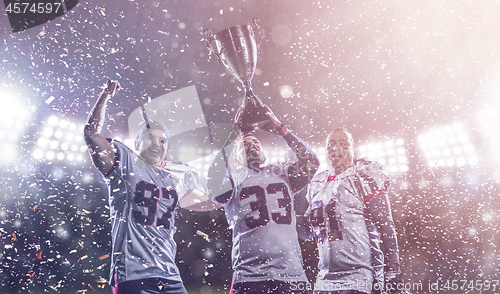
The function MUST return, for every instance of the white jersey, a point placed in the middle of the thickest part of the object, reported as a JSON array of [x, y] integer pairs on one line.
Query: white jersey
[[260, 211], [343, 233], [143, 199]]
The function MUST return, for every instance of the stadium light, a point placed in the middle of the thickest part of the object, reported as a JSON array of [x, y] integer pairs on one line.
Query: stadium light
[[277, 154], [61, 141], [391, 154], [321, 154], [198, 158], [485, 117], [13, 122], [447, 146]]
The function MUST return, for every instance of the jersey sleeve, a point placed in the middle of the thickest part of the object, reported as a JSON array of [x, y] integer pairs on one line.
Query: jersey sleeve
[[314, 186], [122, 155], [376, 182], [310, 191], [372, 178]]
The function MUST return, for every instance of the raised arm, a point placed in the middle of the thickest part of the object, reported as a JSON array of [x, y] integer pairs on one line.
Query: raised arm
[[100, 148], [307, 164]]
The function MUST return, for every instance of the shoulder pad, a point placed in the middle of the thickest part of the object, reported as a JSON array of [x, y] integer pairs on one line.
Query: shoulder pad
[[373, 170]]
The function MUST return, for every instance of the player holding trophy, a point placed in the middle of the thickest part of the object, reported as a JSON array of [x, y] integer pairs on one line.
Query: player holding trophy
[[259, 206]]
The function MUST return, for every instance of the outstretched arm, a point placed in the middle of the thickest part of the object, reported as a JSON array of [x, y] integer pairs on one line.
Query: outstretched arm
[[100, 148]]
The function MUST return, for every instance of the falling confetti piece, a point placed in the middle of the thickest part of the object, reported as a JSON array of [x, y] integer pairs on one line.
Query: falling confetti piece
[[205, 236], [101, 281], [49, 100]]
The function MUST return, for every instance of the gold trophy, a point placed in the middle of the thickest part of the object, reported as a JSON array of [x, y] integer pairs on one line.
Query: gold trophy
[[237, 50]]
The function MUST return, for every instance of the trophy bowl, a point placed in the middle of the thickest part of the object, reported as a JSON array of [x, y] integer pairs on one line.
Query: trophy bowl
[[237, 50]]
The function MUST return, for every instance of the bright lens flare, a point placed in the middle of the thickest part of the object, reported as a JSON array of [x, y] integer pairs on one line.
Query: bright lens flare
[[13, 122], [448, 146], [60, 140], [286, 91], [391, 154]]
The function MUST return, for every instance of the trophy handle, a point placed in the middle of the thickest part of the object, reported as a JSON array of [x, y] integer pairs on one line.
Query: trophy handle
[[209, 37], [260, 30]]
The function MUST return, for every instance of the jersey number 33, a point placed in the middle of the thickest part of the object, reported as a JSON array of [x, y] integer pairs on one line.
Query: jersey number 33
[[261, 205]]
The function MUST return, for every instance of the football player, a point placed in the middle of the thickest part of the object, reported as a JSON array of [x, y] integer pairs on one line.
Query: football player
[[144, 191], [259, 206], [350, 214]]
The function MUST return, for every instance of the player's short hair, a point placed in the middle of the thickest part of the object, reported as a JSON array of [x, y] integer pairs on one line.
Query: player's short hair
[[152, 125]]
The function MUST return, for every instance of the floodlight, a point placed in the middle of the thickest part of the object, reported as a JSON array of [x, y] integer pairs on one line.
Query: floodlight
[[60, 140], [321, 154], [389, 153], [37, 154], [12, 126], [447, 146]]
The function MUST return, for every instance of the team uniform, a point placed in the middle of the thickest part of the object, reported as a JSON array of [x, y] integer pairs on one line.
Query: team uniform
[[259, 208], [348, 228], [143, 199]]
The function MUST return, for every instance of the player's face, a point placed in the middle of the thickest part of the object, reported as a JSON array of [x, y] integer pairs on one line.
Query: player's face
[[154, 146], [253, 151], [340, 151]]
